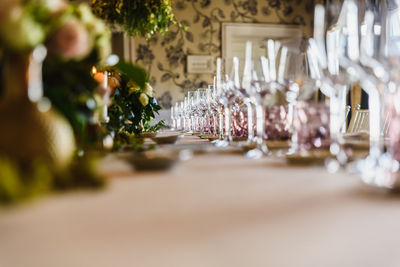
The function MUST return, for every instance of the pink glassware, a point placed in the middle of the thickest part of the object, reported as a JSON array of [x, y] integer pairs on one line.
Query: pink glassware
[[239, 126], [311, 125], [393, 133], [276, 123]]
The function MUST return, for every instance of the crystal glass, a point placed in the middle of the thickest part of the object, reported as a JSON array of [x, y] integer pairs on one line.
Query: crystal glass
[[311, 126], [308, 117], [380, 59], [201, 109], [181, 115], [337, 58], [276, 126], [173, 118], [239, 120], [211, 112], [268, 89], [208, 111], [196, 112], [243, 111], [223, 92], [188, 109]]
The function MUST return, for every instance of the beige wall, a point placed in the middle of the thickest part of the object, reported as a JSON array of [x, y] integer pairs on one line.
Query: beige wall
[[165, 56]]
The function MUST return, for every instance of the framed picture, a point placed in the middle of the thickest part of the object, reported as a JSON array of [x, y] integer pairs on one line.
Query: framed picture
[[235, 35]]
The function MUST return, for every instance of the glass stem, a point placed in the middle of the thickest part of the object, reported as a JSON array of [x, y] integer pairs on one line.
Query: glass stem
[[260, 115], [375, 127], [221, 123], [228, 135], [215, 125], [193, 124], [250, 123], [337, 119]]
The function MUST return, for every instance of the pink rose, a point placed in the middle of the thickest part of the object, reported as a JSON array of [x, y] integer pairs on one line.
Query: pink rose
[[71, 41]]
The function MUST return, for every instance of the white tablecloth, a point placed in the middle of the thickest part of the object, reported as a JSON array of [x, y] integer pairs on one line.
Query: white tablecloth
[[214, 210]]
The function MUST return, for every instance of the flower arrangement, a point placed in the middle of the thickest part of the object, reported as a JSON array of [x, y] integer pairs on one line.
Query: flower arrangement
[[133, 105], [81, 42], [136, 17], [70, 31], [75, 40]]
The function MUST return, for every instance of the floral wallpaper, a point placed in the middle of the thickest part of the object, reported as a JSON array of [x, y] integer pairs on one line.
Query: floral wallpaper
[[165, 56]]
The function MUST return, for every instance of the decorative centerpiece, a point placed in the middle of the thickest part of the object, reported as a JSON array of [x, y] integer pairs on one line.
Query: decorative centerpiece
[[47, 95], [133, 106], [80, 43]]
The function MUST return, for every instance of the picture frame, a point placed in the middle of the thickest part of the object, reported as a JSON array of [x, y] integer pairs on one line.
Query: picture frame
[[235, 35]]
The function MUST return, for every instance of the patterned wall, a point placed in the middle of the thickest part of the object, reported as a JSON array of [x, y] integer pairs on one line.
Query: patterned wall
[[165, 56]]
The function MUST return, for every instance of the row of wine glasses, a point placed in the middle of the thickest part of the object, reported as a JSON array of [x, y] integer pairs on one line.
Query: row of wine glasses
[[297, 91], [258, 104]]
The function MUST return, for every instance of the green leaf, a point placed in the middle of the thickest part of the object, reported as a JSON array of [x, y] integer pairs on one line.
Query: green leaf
[[134, 72]]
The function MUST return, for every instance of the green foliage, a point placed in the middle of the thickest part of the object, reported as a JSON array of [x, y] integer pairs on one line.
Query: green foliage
[[136, 17], [72, 91], [133, 72], [133, 106], [154, 128]]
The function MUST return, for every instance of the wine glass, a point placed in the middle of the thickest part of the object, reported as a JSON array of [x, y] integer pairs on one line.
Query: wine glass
[[265, 92], [310, 117], [380, 54], [338, 62], [244, 94], [208, 123], [222, 100], [212, 112], [173, 119], [189, 117]]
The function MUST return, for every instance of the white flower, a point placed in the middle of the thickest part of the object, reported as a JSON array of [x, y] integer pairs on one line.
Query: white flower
[[20, 31], [85, 13], [148, 90], [144, 99], [54, 6], [95, 25]]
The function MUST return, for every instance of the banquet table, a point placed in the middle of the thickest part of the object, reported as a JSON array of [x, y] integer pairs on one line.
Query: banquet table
[[216, 209]]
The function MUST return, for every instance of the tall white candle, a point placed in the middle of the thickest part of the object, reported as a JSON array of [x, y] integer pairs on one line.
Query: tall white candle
[[105, 98], [105, 81]]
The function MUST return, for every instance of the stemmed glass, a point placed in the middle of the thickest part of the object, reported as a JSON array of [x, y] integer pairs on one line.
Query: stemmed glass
[[208, 111], [338, 63], [213, 111], [264, 91], [243, 92], [173, 118], [310, 117], [346, 63], [180, 106], [201, 109], [195, 112], [380, 54], [189, 118], [222, 97]]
